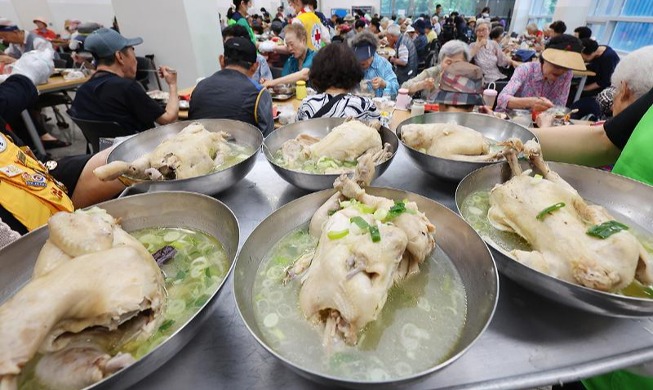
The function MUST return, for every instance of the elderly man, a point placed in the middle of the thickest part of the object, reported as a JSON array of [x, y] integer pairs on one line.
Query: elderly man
[[112, 94], [405, 59], [20, 41], [376, 68], [429, 80], [230, 93]]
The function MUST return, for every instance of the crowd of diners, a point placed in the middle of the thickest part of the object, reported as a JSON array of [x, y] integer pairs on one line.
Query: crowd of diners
[[448, 59]]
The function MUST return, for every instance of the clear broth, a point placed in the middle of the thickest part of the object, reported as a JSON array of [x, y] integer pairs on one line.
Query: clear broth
[[418, 328]]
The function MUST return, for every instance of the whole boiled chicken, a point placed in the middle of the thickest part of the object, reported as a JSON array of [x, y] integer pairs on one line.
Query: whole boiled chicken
[[554, 219], [346, 142], [345, 282], [192, 152], [91, 279], [448, 140]]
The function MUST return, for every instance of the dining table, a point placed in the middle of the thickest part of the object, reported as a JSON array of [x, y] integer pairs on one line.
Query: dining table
[[56, 83]]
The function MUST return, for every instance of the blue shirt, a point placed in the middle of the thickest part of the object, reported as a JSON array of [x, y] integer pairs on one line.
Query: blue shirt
[[292, 65], [263, 70], [381, 68]]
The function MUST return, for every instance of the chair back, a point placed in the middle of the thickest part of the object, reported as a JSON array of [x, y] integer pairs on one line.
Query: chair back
[[94, 130], [60, 63], [144, 67]]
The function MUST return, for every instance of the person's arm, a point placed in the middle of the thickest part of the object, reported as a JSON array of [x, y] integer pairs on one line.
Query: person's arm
[[591, 87], [420, 82], [292, 78], [172, 107], [577, 144], [402, 56], [390, 79], [264, 113], [17, 93], [502, 59], [474, 47], [507, 95]]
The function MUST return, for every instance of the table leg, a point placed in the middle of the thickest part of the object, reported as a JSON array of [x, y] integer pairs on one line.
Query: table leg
[[581, 85], [31, 129]]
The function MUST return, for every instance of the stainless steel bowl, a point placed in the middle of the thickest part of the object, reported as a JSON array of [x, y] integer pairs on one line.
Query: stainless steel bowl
[[457, 239], [454, 170], [161, 209], [142, 143], [628, 200], [317, 128]]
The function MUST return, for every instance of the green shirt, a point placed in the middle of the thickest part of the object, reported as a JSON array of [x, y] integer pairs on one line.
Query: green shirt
[[636, 160]]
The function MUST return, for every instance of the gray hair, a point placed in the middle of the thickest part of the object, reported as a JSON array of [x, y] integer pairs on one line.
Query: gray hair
[[394, 30], [362, 38], [636, 69], [481, 22], [453, 48], [532, 26]]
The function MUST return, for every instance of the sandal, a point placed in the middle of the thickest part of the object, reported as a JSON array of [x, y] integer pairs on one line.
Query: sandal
[[52, 144]]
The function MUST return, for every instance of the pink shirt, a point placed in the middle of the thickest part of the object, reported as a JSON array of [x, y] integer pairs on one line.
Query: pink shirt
[[528, 81]]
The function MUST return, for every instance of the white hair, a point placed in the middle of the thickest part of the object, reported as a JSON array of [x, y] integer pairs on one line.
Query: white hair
[[636, 69], [394, 30], [483, 21], [453, 48]]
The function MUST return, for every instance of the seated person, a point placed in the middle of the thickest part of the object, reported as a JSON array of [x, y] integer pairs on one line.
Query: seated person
[[42, 29], [299, 63], [546, 83], [376, 68], [26, 202], [601, 144], [335, 73], [455, 85], [112, 94], [487, 54], [429, 80], [557, 28], [230, 93], [601, 60], [263, 71], [583, 32], [405, 60], [21, 42], [421, 42]]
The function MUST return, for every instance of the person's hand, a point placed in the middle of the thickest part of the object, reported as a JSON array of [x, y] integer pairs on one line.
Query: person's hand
[[541, 104], [168, 74], [268, 83], [378, 83], [545, 119], [36, 65], [266, 47], [485, 110], [5, 59], [428, 84], [481, 41]]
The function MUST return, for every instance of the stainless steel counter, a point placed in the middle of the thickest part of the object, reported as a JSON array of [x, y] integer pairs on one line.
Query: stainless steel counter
[[530, 342]]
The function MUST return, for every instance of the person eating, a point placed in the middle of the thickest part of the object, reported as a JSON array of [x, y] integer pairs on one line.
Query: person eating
[[298, 65], [376, 69], [487, 54]]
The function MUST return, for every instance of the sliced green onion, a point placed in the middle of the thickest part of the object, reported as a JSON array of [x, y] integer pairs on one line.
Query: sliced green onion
[[396, 210], [166, 325], [336, 235], [380, 214], [549, 210], [360, 222], [365, 209], [606, 229], [376, 235]]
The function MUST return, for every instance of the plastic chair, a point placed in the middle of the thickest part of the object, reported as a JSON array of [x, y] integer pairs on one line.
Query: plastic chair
[[94, 130]]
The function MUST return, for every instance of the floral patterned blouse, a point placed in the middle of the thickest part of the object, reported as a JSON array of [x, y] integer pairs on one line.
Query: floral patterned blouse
[[489, 58], [528, 81]]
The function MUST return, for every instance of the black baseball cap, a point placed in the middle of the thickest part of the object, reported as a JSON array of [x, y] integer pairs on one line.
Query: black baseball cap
[[240, 49]]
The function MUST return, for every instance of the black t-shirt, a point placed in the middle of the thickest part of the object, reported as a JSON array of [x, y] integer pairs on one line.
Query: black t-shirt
[[603, 66], [109, 97], [619, 128]]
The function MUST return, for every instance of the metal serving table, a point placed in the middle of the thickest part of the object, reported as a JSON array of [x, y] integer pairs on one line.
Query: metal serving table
[[530, 342]]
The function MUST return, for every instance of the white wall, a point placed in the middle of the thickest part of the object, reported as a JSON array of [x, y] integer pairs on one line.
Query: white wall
[[99, 11], [572, 12], [7, 11], [520, 16], [27, 10], [184, 35]]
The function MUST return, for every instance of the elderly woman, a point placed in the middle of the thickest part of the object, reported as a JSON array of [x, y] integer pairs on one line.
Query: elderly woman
[[376, 68], [299, 63], [335, 73], [429, 80], [533, 33], [487, 54], [603, 144], [544, 84]]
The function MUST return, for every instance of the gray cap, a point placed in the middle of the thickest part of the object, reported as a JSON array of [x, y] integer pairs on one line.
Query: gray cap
[[105, 42]]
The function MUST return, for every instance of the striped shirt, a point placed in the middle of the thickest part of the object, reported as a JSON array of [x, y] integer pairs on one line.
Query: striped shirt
[[349, 106]]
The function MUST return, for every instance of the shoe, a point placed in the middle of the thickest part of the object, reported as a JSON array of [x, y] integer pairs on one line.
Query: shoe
[[52, 144]]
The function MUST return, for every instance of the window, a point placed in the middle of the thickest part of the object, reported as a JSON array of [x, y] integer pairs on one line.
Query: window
[[542, 12], [625, 25]]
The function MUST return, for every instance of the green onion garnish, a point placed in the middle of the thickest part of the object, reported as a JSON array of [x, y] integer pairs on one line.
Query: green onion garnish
[[549, 210], [374, 231], [336, 235], [360, 222], [166, 324], [606, 229], [376, 235]]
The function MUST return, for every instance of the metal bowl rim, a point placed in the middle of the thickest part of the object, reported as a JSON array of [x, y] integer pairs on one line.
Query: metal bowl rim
[[451, 359], [134, 181], [495, 246]]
